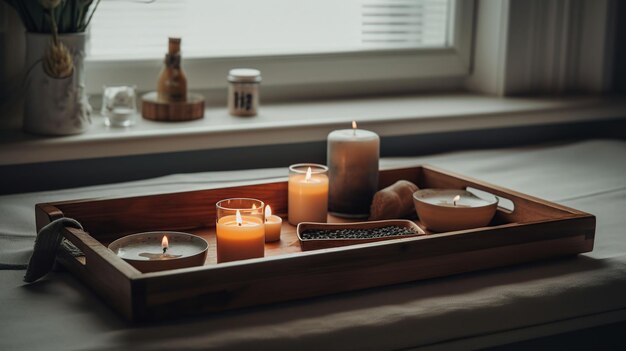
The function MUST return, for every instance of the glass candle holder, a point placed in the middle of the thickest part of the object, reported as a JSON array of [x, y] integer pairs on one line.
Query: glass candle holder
[[308, 193], [240, 229], [119, 106]]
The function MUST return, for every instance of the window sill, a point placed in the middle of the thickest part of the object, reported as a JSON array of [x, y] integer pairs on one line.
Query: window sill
[[310, 121]]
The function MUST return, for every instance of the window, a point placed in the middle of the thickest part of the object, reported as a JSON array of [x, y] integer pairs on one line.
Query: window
[[291, 41], [217, 28]]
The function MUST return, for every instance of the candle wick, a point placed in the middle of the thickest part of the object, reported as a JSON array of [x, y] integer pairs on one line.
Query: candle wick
[[164, 250], [239, 224]]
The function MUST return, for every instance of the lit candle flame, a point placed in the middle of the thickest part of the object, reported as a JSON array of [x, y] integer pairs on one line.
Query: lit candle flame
[[268, 212], [238, 218], [354, 127], [164, 243], [307, 177], [456, 198]]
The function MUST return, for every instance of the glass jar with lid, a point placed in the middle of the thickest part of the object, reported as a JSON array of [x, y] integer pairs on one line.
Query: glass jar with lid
[[243, 91]]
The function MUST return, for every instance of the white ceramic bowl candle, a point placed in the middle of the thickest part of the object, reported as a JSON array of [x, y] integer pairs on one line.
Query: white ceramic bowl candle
[[444, 210], [162, 250]]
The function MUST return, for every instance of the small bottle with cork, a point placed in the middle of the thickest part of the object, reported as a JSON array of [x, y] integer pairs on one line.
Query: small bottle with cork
[[172, 85], [171, 102]]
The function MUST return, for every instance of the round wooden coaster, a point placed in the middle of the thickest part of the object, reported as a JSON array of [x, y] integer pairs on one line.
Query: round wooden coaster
[[156, 110]]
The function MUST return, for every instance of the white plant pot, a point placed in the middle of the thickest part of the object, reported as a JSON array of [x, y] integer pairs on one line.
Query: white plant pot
[[55, 106]]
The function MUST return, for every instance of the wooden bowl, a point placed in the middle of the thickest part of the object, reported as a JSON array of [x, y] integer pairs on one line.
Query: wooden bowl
[[143, 250], [314, 244], [153, 109], [437, 213]]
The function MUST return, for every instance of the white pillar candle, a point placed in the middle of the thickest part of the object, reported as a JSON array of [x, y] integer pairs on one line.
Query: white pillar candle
[[353, 171]]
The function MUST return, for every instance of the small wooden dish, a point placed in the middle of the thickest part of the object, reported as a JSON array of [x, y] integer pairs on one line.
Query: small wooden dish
[[314, 244], [155, 110], [192, 252]]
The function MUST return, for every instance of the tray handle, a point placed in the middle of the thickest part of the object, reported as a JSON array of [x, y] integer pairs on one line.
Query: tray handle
[[504, 204], [525, 207], [95, 254], [73, 235], [108, 275]]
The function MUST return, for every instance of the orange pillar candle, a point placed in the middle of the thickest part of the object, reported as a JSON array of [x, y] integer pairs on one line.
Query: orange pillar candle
[[308, 193], [273, 225], [242, 235]]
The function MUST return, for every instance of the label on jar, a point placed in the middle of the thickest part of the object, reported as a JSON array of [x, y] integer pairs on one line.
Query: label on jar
[[243, 99]]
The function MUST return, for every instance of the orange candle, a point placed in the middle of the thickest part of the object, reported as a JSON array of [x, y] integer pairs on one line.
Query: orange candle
[[273, 225], [240, 237], [308, 193]]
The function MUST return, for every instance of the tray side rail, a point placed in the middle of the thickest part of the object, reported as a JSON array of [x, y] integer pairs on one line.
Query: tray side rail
[[110, 219], [527, 208], [322, 272]]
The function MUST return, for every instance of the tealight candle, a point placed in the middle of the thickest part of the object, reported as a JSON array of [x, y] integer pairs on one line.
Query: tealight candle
[[157, 251], [240, 229], [307, 193], [353, 171], [273, 225], [443, 210]]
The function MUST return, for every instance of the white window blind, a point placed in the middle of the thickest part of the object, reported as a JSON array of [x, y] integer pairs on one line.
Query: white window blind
[[138, 29]]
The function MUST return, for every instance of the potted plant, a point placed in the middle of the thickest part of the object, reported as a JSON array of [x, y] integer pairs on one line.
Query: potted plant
[[55, 102]]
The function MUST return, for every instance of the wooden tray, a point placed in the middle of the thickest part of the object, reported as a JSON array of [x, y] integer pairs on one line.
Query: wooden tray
[[536, 229]]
